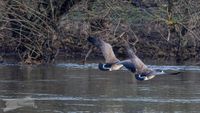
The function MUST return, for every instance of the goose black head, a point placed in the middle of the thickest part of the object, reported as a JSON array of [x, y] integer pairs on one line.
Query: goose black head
[[95, 41], [105, 67], [144, 76]]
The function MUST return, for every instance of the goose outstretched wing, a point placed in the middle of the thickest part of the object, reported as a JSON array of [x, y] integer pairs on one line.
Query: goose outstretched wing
[[128, 65], [138, 63], [105, 48]]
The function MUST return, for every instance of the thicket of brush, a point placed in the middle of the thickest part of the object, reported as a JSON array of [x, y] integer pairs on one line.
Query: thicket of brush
[[30, 28], [38, 30]]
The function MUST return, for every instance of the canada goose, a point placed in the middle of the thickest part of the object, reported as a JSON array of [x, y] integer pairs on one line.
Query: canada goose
[[134, 64]]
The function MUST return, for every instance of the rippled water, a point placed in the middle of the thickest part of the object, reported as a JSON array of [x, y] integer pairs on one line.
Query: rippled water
[[74, 88]]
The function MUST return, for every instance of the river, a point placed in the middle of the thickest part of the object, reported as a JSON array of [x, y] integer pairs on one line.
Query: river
[[75, 88]]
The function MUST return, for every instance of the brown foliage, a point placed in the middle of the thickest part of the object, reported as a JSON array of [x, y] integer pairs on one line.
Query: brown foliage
[[29, 28], [38, 29]]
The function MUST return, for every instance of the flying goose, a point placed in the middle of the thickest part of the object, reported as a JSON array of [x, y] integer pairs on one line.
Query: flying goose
[[133, 64]]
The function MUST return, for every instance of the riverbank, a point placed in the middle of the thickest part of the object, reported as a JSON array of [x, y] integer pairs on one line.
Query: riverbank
[[38, 33], [96, 58]]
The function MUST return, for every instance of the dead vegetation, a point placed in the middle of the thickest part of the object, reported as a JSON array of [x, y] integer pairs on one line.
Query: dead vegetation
[[38, 30], [164, 29], [31, 28]]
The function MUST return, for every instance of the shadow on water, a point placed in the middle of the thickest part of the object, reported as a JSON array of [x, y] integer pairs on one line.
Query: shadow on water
[[78, 88]]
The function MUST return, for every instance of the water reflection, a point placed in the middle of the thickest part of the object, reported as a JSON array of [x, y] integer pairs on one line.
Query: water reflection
[[83, 88]]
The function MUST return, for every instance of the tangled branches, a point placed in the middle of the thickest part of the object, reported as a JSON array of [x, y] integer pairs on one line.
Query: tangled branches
[[32, 27], [38, 29]]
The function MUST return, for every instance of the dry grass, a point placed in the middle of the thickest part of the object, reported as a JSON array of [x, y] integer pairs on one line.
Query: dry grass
[[38, 29], [33, 32]]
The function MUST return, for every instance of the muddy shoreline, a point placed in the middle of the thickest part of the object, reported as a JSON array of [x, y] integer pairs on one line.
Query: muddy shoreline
[[63, 57]]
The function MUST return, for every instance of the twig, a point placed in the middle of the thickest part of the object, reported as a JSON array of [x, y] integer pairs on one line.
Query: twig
[[189, 31], [169, 34], [117, 27], [87, 55]]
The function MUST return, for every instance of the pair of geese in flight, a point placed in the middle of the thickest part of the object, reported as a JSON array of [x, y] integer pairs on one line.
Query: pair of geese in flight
[[134, 64]]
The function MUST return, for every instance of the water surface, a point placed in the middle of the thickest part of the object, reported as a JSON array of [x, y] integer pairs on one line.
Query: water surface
[[74, 88]]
